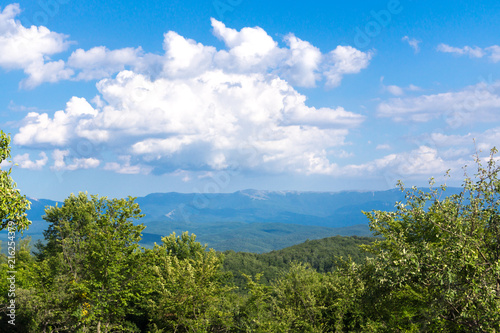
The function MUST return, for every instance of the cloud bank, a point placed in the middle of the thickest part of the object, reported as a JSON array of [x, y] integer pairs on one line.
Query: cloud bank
[[194, 107]]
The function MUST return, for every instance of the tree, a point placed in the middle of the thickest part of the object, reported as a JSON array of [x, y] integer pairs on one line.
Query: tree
[[191, 293], [13, 205], [92, 263], [437, 267]]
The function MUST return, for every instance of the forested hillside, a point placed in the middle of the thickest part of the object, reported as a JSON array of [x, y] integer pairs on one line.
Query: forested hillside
[[322, 255]]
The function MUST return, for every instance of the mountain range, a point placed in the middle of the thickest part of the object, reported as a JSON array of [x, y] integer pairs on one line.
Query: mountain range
[[250, 220]]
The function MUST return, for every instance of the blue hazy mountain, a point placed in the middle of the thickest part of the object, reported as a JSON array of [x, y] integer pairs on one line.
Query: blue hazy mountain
[[251, 220], [327, 209]]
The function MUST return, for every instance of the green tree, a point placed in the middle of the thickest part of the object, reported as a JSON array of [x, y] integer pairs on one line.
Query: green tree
[[191, 294], [13, 205], [91, 264], [437, 267]]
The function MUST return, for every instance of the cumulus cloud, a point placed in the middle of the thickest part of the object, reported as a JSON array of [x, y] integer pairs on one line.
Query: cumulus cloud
[[345, 60], [199, 108], [475, 103], [40, 129], [210, 121], [301, 66], [421, 161], [249, 50], [61, 158], [99, 62], [29, 48], [301, 63], [24, 161]]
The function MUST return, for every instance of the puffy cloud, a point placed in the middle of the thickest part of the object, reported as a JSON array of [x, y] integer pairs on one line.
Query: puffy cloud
[[199, 108], [211, 121], [39, 129], [24, 161], [249, 48], [421, 161], [479, 102], [345, 60], [40, 72], [60, 161], [248, 51], [184, 57], [99, 62], [302, 63], [29, 48]]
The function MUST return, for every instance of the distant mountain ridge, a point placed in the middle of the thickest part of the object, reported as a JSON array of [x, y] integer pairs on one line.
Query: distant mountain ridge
[[329, 209], [251, 220]]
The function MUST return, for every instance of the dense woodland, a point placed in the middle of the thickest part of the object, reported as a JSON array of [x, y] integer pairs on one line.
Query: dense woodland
[[434, 266], [322, 255]]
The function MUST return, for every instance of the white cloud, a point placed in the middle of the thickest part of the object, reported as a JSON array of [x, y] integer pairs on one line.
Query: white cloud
[[210, 121], [395, 90], [99, 62], [302, 62], [413, 43], [475, 103], [483, 140], [421, 161], [61, 158], [196, 107], [492, 52], [473, 52], [30, 48], [345, 60], [248, 51], [40, 72], [125, 166], [184, 57], [40, 129], [24, 161]]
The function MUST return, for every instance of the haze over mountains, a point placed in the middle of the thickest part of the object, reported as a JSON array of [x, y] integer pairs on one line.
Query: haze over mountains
[[251, 220]]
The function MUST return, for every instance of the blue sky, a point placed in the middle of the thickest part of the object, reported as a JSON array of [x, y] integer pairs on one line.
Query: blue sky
[[128, 98]]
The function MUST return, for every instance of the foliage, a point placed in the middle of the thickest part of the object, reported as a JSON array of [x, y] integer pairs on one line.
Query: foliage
[[90, 266], [13, 205], [321, 254], [190, 287], [438, 265]]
